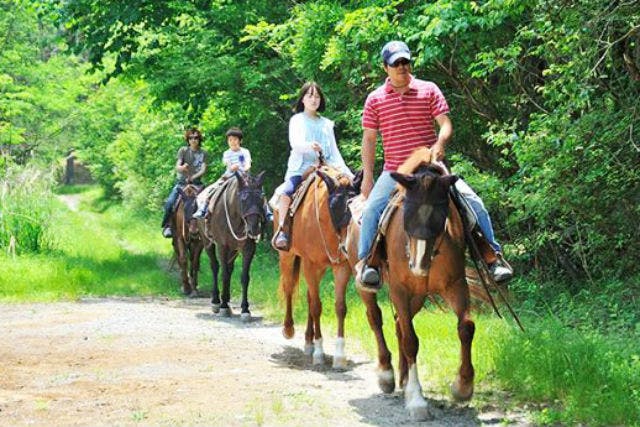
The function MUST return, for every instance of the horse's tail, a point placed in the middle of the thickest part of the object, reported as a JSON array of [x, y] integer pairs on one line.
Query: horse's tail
[[289, 275]]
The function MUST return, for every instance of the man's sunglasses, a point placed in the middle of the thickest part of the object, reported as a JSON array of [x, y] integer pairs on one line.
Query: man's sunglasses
[[400, 62]]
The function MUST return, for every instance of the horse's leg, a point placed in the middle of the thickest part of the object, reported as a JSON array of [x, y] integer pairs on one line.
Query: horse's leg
[[416, 304], [195, 252], [215, 268], [227, 256], [308, 333], [408, 343], [184, 268], [341, 275], [313, 274], [248, 252], [289, 276], [457, 296], [386, 379]]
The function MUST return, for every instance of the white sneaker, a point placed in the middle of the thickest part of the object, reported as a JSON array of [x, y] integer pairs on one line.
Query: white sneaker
[[166, 232], [501, 270]]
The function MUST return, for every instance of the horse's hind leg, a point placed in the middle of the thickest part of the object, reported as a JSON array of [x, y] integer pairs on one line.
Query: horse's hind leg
[[289, 276], [386, 379], [247, 256], [458, 299], [341, 275]]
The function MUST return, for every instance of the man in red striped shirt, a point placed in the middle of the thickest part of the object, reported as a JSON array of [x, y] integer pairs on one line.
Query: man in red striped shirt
[[404, 110]]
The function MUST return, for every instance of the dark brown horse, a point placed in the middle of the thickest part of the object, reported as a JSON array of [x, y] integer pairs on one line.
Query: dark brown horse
[[317, 231], [187, 242], [425, 256], [234, 222]]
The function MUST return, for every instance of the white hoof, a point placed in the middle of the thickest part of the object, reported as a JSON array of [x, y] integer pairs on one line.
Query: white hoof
[[215, 308], [386, 381], [308, 349], [339, 359], [339, 362], [245, 317], [225, 312], [318, 352], [418, 409]]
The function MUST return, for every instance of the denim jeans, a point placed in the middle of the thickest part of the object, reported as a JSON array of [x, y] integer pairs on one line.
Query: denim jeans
[[484, 220], [379, 197], [168, 204], [375, 204]]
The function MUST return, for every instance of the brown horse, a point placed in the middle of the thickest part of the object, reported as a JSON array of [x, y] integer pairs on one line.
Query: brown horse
[[317, 231], [234, 223], [187, 242], [425, 256]]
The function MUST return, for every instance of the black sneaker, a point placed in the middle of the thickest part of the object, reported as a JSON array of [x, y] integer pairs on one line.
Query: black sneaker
[[367, 278]]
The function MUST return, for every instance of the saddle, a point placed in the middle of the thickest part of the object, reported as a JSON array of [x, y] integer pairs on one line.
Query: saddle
[[198, 187]]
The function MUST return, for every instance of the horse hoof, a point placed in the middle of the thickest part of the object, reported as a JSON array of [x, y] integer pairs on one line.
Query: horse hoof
[[318, 359], [386, 381], [339, 362], [460, 392], [215, 307], [245, 317], [194, 294], [418, 410], [288, 332], [225, 312]]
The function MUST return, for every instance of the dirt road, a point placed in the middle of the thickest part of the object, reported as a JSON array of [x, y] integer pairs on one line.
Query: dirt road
[[172, 362]]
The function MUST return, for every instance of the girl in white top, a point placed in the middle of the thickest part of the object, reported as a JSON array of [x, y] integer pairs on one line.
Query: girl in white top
[[309, 135]]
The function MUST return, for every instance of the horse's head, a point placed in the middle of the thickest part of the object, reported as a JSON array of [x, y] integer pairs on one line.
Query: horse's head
[[189, 194], [426, 207], [251, 197], [340, 191]]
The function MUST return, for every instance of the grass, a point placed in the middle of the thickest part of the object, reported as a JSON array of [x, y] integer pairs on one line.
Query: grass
[[565, 374]]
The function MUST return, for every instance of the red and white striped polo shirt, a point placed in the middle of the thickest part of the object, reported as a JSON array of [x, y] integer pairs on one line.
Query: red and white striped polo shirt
[[406, 122]]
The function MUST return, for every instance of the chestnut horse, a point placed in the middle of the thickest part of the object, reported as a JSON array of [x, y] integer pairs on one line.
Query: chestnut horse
[[187, 242], [233, 224], [317, 231], [425, 255]]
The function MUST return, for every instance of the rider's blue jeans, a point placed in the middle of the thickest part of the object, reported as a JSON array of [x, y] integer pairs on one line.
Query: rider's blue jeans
[[168, 204], [379, 197]]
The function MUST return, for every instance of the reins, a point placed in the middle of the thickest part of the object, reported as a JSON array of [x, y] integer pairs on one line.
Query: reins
[[226, 213]]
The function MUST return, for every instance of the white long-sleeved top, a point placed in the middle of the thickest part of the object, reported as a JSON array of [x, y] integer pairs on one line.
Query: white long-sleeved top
[[305, 130]]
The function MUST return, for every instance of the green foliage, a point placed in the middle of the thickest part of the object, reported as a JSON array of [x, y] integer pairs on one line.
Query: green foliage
[[25, 216], [592, 380]]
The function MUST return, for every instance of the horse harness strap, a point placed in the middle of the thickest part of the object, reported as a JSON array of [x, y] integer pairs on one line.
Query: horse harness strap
[[333, 259]]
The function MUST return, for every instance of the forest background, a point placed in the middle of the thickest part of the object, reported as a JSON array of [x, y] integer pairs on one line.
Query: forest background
[[543, 96]]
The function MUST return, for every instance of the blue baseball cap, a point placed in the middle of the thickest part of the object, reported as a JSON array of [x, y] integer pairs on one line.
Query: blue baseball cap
[[395, 50]]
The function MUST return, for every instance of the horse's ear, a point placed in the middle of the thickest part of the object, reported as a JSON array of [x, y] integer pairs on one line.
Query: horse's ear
[[327, 180], [240, 178], [407, 181], [449, 180], [259, 178]]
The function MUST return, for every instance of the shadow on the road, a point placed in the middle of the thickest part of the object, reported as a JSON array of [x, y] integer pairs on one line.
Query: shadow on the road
[[388, 409], [294, 358]]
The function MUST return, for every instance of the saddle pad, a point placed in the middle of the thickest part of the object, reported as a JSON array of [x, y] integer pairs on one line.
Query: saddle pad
[[218, 191]]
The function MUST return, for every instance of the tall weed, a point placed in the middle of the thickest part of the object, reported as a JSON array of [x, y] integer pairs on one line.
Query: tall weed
[[25, 210]]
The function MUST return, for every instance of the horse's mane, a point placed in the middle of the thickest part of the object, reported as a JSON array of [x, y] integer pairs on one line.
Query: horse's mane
[[420, 158]]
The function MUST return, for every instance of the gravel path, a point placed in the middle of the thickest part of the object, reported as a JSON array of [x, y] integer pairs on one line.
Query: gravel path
[[172, 362]]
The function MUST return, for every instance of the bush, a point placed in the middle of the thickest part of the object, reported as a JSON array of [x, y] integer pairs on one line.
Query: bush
[[26, 207]]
